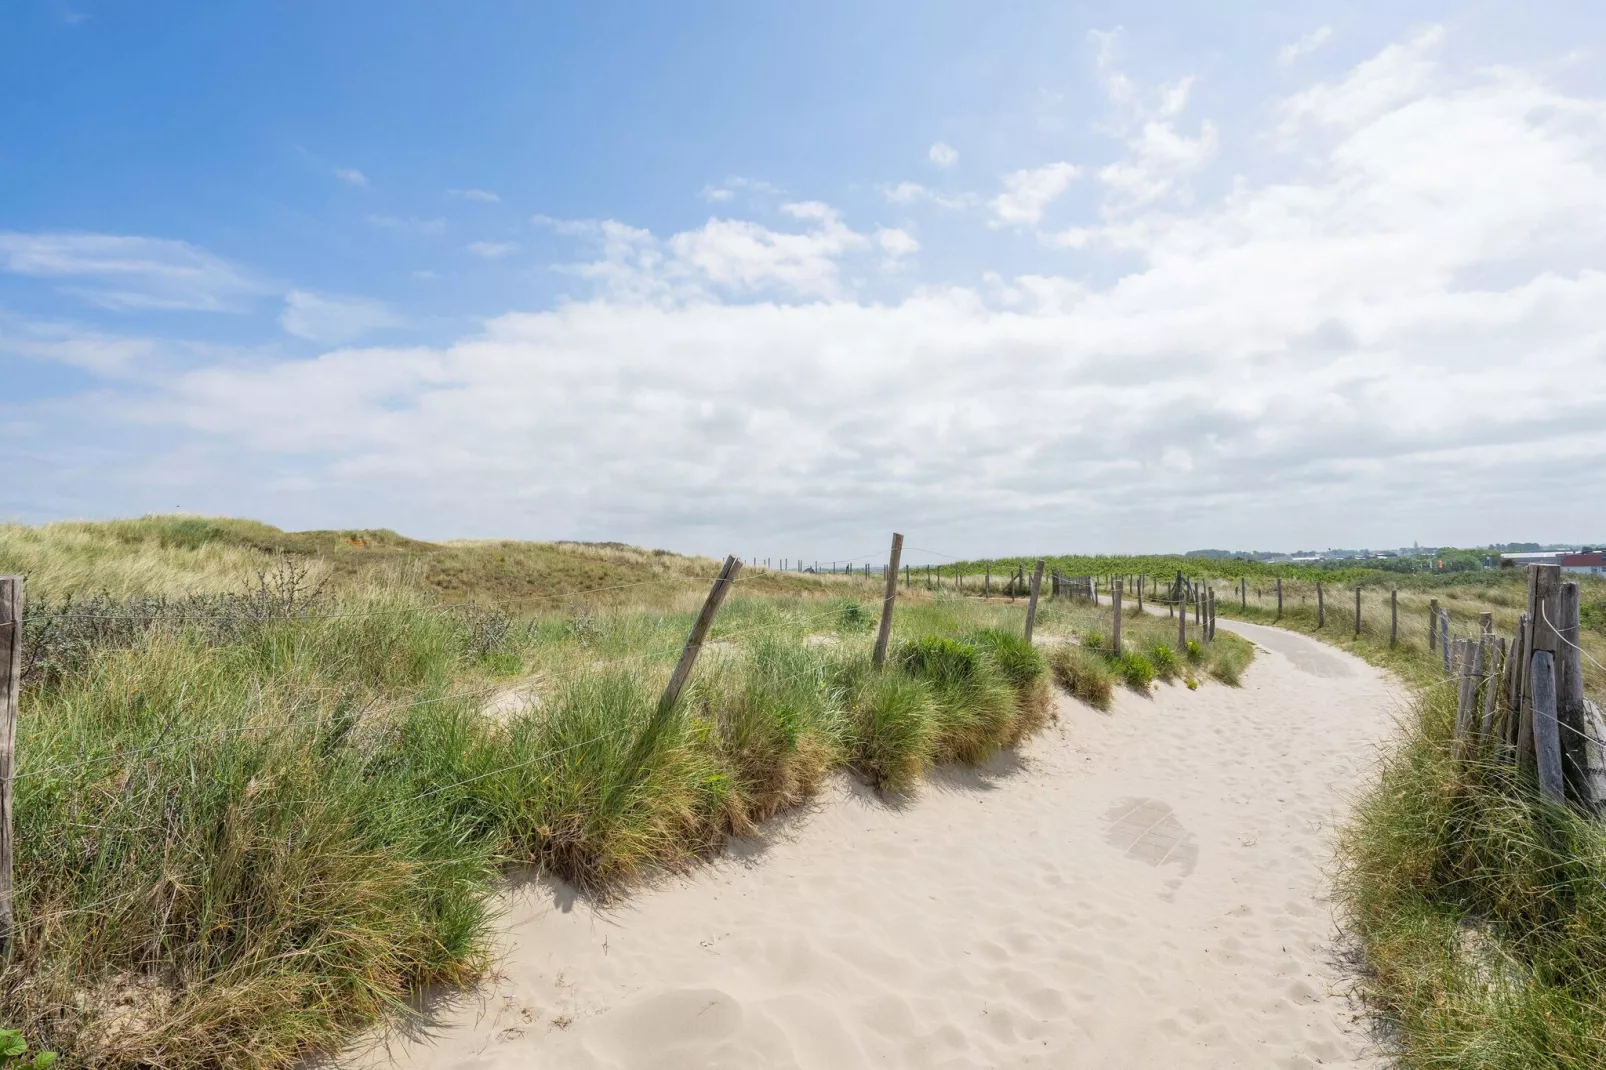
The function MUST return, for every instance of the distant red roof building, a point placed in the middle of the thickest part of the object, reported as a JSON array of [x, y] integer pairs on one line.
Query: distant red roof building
[[1593, 562]]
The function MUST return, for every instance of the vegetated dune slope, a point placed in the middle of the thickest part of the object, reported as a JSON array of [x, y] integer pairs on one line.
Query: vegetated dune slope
[[1138, 888]]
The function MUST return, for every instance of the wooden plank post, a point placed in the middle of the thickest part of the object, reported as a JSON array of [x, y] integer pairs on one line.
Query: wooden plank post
[[1031, 607], [1444, 638], [1496, 656], [11, 602], [1587, 783], [1182, 621], [1433, 625], [1546, 733], [1212, 614], [1115, 600], [1279, 598], [1544, 608], [1321, 606], [1515, 661], [1471, 656], [1394, 617], [1357, 611], [699, 631], [1140, 595], [887, 601]]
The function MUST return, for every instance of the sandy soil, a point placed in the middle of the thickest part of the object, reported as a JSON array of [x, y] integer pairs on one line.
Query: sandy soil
[[1138, 888]]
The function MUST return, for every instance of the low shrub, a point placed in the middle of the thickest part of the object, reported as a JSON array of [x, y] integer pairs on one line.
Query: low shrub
[[1093, 641], [890, 732], [1083, 673], [939, 659], [1136, 670], [1165, 661], [854, 617], [1195, 652], [1011, 653]]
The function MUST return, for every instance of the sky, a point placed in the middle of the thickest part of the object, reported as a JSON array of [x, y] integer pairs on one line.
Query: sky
[[779, 279]]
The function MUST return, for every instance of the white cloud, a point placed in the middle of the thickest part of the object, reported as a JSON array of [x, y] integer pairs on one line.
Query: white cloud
[[409, 225], [492, 250], [717, 194], [105, 354], [1400, 73], [1160, 157], [943, 154], [484, 196], [334, 320], [1402, 340], [914, 192], [351, 176], [130, 272], [896, 243], [1027, 193], [1304, 46]]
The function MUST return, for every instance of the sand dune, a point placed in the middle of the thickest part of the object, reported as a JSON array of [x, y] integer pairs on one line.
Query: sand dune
[[1142, 888]]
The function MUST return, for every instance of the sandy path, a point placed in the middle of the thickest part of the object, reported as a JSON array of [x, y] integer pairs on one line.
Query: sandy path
[[1141, 888]]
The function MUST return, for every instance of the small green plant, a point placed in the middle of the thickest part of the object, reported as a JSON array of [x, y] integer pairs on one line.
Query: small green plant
[[1165, 661], [938, 659], [854, 617], [14, 1053], [1136, 670], [1084, 674], [1014, 657], [1193, 685], [1195, 651], [1093, 641]]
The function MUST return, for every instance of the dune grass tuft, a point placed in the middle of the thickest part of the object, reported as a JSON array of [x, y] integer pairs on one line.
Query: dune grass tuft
[[1084, 673]]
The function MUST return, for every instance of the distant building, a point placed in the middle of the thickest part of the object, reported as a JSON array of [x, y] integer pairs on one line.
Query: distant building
[[1590, 562], [1542, 557]]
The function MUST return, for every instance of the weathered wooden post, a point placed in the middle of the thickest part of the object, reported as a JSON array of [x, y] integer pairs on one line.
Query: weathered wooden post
[[1357, 611], [1515, 675], [1394, 616], [1031, 607], [1546, 733], [1321, 606], [1140, 595], [1182, 621], [1243, 593], [1279, 598], [987, 582], [1115, 601], [1444, 638], [1433, 625], [1580, 744], [11, 605], [699, 631], [1471, 656], [887, 601], [1544, 608]]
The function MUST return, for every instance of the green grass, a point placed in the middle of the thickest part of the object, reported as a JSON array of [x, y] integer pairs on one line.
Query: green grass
[[247, 835]]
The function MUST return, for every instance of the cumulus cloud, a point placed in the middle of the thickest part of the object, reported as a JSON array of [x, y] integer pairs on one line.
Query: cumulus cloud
[[943, 154], [351, 176], [1304, 46], [1160, 156], [126, 272], [896, 243], [1029, 192], [334, 320], [1390, 345]]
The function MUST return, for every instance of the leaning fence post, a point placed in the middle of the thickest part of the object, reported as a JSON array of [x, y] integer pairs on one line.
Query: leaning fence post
[[887, 600], [11, 599], [1547, 736], [699, 631], [1031, 607]]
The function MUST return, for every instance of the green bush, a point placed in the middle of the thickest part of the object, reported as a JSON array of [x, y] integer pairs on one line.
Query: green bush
[[939, 659], [1013, 656], [1093, 641], [1165, 661], [1195, 652], [1083, 673], [890, 736], [854, 617], [1136, 670]]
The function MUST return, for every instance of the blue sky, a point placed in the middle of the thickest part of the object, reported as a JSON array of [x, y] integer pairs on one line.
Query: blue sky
[[778, 277]]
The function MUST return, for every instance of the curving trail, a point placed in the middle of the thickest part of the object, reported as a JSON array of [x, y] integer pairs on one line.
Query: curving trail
[[1138, 888]]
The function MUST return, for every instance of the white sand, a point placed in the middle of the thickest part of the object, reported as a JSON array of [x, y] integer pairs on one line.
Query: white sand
[[1142, 888]]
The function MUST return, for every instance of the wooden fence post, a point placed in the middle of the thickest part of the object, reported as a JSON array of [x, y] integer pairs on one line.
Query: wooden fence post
[[1394, 616], [987, 583], [1140, 594], [1031, 607], [1115, 600], [1515, 660], [1182, 621], [1321, 606], [1279, 598], [1546, 734], [1467, 699], [1571, 713], [1433, 625], [1544, 598], [1357, 611], [699, 631], [1243, 593], [11, 604], [887, 601]]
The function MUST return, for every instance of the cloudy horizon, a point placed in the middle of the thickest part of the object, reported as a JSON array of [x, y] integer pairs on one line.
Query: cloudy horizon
[[1333, 282]]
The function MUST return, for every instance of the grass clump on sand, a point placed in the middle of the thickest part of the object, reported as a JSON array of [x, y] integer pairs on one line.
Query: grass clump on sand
[[250, 822], [1083, 673], [1481, 910]]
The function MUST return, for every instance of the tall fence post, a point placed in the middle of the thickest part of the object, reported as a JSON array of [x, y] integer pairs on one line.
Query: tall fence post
[[987, 583], [1394, 616], [1357, 611], [1182, 621], [1544, 603], [1279, 598], [1031, 607], [699, 631], [11, 599], [1433, 625], [1321, 606], [1140, 594], [1115, 600], [1212, 614], [1546, 734], [887, 601]]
